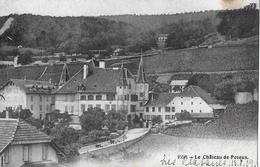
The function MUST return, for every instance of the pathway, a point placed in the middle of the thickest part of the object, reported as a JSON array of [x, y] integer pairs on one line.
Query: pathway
[[130, 135]]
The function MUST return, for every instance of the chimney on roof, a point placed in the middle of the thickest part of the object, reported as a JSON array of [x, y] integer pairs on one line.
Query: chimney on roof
[[7, 114], [15, 61], [151, 95], [102, 64], [85, 71]]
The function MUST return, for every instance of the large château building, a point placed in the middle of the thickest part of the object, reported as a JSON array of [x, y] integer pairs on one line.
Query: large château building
[[108, 89]]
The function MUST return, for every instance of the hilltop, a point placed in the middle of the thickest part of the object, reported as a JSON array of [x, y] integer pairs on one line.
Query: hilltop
[[133, 33], [80, 34], [68, 34], [153, 22]]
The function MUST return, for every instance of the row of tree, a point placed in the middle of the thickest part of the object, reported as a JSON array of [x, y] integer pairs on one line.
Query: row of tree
[[81, 34], [226, 88]]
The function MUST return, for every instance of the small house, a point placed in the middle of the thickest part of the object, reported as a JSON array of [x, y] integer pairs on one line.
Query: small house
[[21, 144]]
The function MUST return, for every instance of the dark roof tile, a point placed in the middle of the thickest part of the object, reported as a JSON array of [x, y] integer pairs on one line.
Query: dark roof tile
[[19, 132], [162, 99], [99, 80], [7, 131], [27, 133]]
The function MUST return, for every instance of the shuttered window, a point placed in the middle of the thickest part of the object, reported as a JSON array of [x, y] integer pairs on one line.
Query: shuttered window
[[44, 152], [7, 156], [26, 153]]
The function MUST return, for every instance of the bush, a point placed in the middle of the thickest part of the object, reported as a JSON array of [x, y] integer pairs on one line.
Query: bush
[[64, 135], [116, 120], [183, 116], [227, 89], [25, 113], [92, 119], [201, 80], [26, 58], [157, 119]]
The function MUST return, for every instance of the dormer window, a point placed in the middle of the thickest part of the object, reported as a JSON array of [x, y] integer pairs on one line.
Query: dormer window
[[98, 97], [90, 97], [83, 97]]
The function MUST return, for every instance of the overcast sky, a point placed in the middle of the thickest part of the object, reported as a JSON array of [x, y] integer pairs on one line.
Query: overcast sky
[[113, 7]]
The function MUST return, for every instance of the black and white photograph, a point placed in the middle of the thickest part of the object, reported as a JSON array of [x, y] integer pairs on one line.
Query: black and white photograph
[[129, 83]]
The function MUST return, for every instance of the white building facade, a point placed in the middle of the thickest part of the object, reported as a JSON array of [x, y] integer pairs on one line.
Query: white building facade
[[27, 94], [107, 89], [193, 100], [178, 86]]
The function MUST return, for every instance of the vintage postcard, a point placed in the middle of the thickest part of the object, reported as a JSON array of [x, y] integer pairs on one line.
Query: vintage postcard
[[129, 83]]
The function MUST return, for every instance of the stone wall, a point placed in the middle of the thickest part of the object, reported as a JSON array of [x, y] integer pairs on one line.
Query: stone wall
[[114, 148]]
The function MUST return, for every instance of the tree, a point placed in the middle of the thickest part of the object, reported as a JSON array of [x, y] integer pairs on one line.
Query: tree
[[57, 118], [45, 59], [116, 120], [226, 89], [66, 138], [25, 58], [62, 58], [64, 135], [201, 80], [187, 34], [25, 114], [239, 23], [157, 119], [13, 52], [141, 41], [136, 120], [185, 115], [92, 119], [156, 86]]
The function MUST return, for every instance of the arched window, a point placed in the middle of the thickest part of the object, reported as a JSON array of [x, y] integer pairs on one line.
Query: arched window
[[90, 97], [98, 97], [82, 97]]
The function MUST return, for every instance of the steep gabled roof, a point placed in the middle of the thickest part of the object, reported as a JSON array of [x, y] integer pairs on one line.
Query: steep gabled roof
[[32, 86], [161, 99], [28, 134], [42, 72], [196, 91], [123, 78], [141, 75], [98, 80]]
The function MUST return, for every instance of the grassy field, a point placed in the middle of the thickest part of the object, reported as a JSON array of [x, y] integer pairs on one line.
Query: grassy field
[[226, 58], [238, 122], [203, 59]]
